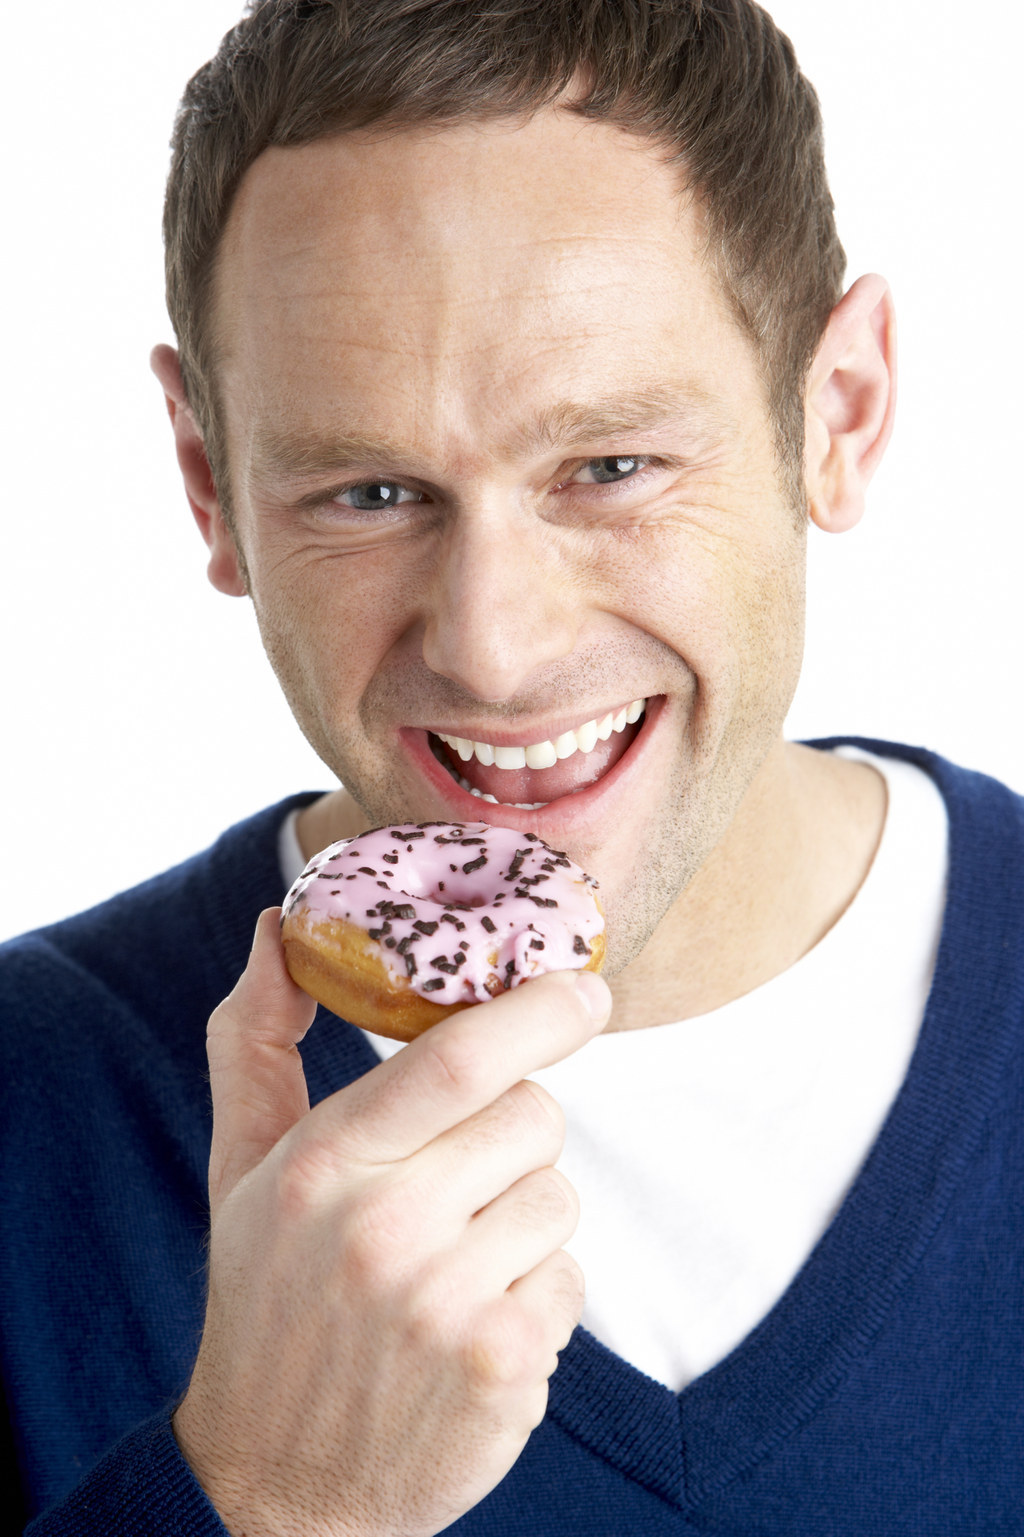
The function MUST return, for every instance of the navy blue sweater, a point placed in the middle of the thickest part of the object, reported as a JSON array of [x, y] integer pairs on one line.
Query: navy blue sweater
[[882, 1393]]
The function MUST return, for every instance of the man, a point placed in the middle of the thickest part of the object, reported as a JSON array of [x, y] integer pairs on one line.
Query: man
[[513, 361]]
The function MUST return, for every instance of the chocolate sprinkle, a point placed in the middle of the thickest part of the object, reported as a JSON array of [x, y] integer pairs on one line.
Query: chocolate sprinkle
[[580, 946], [424, 926], [432, 985], [489, 925], [474, 864]]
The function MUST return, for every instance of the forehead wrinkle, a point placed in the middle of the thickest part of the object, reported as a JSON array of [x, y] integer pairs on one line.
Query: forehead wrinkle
[[305, 453]]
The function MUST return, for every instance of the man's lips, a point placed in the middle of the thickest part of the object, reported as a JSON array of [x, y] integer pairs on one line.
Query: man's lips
[[529, 776], [579, 821]]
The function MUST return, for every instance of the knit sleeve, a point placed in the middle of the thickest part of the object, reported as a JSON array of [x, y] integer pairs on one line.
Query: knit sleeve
[[143, 1487]]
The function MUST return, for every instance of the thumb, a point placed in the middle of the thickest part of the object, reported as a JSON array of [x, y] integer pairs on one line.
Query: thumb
[[256, 1077]]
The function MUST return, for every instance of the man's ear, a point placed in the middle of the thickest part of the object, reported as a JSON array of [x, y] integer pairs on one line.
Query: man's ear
[[850, 403], [224, 568]]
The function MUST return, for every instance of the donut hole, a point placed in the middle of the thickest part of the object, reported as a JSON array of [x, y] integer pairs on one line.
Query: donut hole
[[444, 898], [450, 898]]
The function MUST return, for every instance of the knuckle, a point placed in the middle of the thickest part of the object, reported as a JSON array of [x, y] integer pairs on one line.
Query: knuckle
[[218, 1020], [548, 1200], [299, 1184], [377, 1236], [535, 1406], [504, 1349], [526, 1113], [453, 1065], [539, 1108], [435, 1307], [568, 1291], [221, 1031]]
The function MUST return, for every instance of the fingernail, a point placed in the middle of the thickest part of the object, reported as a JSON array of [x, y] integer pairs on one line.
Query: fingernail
[[595, 994]]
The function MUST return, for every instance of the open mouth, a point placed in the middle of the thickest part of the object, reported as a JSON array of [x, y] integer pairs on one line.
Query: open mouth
[[529, 777]]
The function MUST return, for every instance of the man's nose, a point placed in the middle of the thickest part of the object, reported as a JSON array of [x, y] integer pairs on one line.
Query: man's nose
[[504, 602]]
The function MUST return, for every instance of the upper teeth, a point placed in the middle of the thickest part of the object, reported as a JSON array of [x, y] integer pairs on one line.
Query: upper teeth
[[541, 755]]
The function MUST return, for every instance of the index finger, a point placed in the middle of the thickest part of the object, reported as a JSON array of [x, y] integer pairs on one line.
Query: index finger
[[458, 1067]]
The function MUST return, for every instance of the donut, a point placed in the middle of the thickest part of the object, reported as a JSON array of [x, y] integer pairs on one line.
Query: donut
[[401, 926]]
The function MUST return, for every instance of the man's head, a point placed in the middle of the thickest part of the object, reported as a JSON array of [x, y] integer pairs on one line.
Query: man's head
[[711, 85], [504, 461]]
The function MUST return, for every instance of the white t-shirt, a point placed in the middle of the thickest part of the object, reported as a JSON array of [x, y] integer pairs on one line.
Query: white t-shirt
[[710, 1154]]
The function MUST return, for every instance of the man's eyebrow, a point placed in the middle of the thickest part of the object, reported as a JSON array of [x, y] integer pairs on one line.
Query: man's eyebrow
[[699, 416], [300, 454]]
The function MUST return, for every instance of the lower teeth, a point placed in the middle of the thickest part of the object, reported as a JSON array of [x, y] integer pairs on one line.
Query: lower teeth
[[481, 795], [493, 800]]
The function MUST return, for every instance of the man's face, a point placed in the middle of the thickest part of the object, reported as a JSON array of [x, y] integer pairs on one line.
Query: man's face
[[501, 467]]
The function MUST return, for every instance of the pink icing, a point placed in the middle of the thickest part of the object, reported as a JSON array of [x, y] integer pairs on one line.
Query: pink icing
[[427, 893]]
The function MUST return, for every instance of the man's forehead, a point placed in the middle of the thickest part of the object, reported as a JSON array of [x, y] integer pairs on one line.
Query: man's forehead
[[501, 179]]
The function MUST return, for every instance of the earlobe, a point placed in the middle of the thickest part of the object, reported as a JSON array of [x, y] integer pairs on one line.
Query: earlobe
[[850, 404], [224, 568]]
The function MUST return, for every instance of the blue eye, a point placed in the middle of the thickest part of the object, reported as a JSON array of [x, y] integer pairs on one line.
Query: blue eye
[[613, 467], [376, 495]]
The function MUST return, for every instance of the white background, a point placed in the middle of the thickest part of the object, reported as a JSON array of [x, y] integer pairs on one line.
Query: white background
[[140, 717]]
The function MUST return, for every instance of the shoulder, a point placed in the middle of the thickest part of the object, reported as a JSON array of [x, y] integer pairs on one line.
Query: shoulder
[[140, 969]]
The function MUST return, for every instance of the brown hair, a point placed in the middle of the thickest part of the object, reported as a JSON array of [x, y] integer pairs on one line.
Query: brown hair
[[713, 83]]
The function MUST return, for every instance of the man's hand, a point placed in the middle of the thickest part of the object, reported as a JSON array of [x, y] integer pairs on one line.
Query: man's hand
[[388, 1290]]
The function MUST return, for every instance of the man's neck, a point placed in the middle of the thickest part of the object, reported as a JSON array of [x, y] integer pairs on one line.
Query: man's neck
[[793, 859]]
